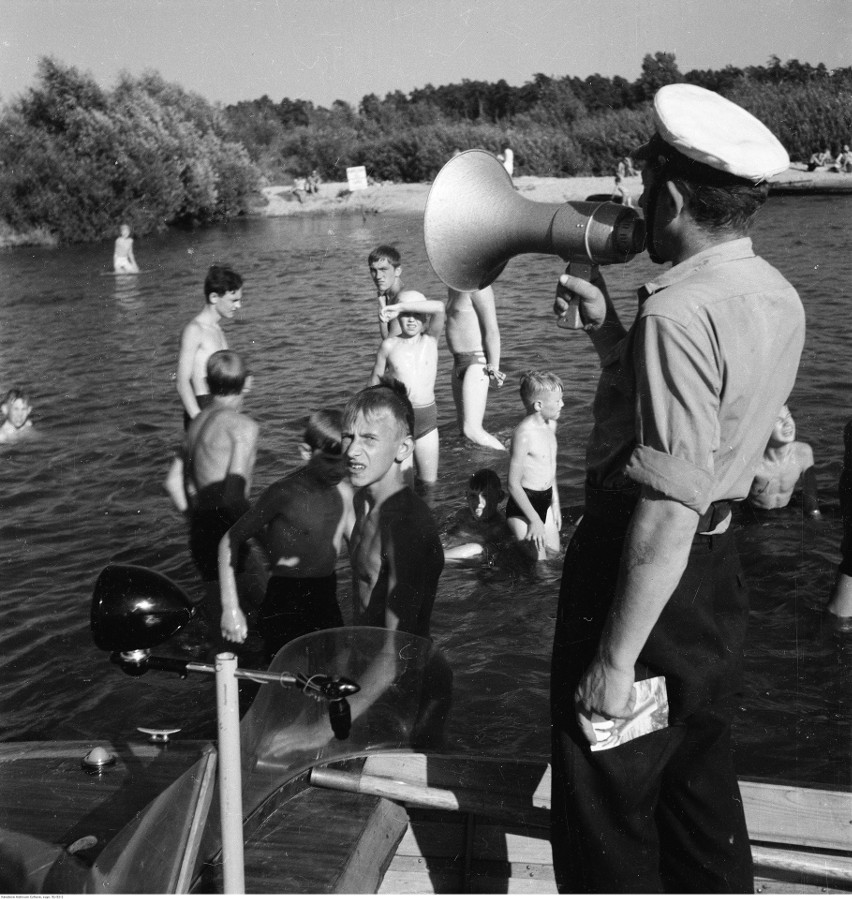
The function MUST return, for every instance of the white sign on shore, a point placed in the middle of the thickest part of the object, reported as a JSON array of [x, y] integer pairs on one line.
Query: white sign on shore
[[356, 176]]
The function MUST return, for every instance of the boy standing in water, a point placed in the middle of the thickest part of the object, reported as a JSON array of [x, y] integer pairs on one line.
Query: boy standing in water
[[304, 518], [386, 271], [533, 512], [123, 260], [220, 451], [785, 462], [473, 337], [223, 293], [412, 358]]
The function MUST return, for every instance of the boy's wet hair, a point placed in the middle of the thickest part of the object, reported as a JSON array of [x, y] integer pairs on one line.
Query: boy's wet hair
[[485, 479], [221, 279], [15, 394], [226, 373], [389, 395], [535, 382], [323, 431], [385, 252]]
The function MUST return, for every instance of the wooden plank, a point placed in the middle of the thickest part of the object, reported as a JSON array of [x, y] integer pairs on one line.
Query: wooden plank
[[798, 815], [490, 842], [806, 867], [44, 791]]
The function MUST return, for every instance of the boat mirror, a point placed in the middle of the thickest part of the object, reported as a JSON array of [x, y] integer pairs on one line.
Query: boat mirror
[[136, 608]]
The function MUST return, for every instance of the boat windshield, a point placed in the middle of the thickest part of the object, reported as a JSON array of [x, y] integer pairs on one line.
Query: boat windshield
[[402, 703]]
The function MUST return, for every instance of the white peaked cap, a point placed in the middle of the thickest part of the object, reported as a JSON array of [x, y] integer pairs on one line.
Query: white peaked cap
[[707, 128]]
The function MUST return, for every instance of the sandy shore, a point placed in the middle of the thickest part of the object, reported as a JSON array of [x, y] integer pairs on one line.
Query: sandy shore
[[335, 197]]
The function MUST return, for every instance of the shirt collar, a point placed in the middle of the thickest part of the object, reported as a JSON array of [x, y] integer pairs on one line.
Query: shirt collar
[[719, 253]]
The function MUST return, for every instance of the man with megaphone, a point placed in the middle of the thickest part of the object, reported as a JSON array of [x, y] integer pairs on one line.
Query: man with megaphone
[[652, 585]]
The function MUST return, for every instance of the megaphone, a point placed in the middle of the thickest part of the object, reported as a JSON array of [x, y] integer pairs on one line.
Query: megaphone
[[475, 222]]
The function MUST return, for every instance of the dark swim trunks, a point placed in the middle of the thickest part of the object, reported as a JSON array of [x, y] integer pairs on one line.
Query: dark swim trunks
[[294, 606], [206, 528], [540, 500], [204, 400], [425, 420], [463, 361]]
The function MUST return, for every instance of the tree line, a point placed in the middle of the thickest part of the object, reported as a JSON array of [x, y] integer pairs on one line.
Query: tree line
[[76, 160]]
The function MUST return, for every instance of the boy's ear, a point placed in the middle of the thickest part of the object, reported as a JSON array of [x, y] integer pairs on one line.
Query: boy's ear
[[305, 451], [405, 448]]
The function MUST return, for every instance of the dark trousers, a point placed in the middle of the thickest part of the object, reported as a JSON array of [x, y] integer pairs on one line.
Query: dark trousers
[[294, 607], [663, 812]]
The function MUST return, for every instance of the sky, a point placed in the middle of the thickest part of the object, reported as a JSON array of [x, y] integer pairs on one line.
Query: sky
[[327, 50]]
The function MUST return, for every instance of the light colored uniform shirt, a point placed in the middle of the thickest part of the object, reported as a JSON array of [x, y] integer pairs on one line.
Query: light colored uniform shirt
[[687, 401]]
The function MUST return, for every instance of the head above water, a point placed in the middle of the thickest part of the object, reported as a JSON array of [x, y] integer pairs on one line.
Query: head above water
[[226, 373], [16, 407], [389, 397], [323, 432], [221, 279], [385, 253], [718, 155], [484, 492]]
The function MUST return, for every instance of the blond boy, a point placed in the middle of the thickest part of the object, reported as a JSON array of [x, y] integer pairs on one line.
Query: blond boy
[[533, 511]]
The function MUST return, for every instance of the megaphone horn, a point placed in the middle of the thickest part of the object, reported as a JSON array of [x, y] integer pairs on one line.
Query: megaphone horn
[[475, 222]]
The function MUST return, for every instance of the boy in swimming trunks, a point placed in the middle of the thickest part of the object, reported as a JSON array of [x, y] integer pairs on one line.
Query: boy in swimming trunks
[[220, 451], [480, 528], [303, 520], [533, 512], [412, 358], [473, 337], [123, 260], [786, 461], [16, 410]]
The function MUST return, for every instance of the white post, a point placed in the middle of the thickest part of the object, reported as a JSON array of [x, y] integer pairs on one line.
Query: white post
[[230, 773]]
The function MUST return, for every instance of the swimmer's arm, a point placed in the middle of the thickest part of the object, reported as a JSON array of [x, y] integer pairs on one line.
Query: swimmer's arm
[[486, 312], [810, 493], [381, 363], [655, 555], [233, 622], [175, 484], [463, 551], [382, 302], [190, 342], [555, 507]]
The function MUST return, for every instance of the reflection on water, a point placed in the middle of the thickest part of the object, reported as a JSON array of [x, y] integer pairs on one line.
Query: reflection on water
[[98, 355]]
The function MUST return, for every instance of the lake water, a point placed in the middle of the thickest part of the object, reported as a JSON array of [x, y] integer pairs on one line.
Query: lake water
[[98, 355]]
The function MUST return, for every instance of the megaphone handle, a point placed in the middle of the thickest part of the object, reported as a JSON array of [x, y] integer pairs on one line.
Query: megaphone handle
[[571, 318]]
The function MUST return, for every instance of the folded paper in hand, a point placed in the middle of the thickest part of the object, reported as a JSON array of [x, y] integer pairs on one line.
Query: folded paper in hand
[[650, 713]]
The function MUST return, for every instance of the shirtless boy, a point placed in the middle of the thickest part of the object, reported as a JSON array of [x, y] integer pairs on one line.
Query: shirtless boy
[[412, 357], [303, 519], [220, 451], [473, 337], [16, 410], [223, 292], [785, 462], [480, 528], [395, 550], [123, 260], [533, 510], [386, 271]]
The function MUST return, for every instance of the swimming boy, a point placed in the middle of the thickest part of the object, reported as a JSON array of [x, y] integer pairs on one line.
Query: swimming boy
[[785, 462], [304, 518], [533, 512], [473, 337], [480, 528], [220, 451], [123, 260], [16, 410], [412, 358], [395, 550], [223, 293]]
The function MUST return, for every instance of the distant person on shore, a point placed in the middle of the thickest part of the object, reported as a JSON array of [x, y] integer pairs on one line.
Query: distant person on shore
[[473, 336], [533, 511], [786, 461], [123, 260], [302, 519], [631, 169], [619, 190], [844, 160], [395, 549], [412, 358], [507, 157], [220, 452], [840, 600], [480, 528], [17, 424]]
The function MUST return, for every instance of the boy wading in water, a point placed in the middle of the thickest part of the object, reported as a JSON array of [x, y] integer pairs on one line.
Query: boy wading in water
[[305, 517], [533, 512], [412, 358]]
